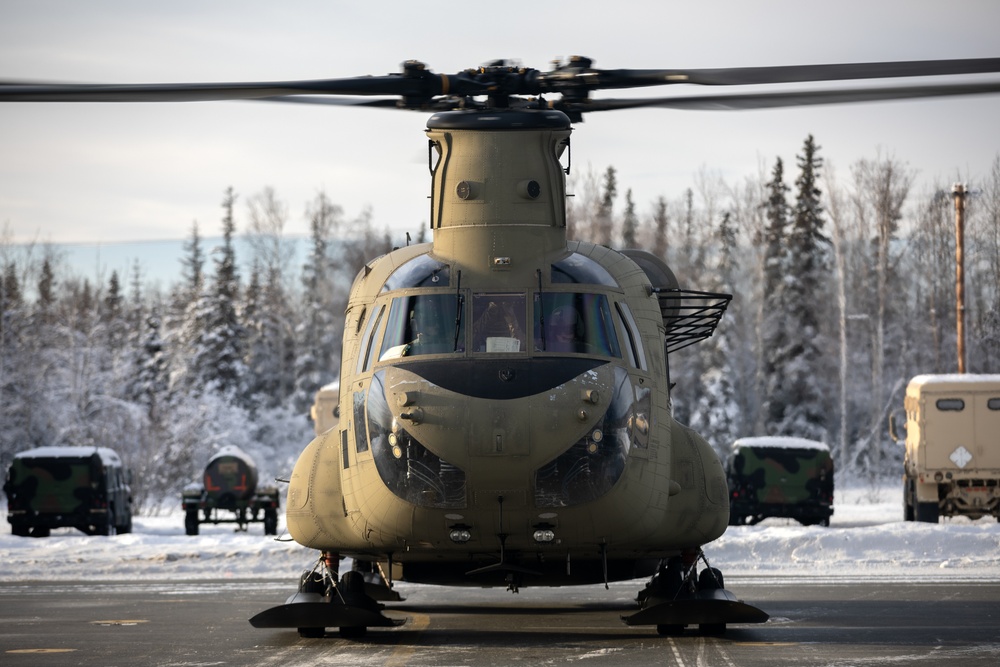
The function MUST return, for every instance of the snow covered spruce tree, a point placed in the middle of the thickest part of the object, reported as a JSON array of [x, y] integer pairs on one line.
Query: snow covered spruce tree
[[319, 331], [716, 414], [216, 365], [773, 332], [804, 360]]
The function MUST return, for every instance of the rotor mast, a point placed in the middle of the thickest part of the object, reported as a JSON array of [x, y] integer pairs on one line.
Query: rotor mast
[[498, 189]]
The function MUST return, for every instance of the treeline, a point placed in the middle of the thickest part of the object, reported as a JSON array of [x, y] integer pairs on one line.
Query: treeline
[[166, 378], [844, 288]]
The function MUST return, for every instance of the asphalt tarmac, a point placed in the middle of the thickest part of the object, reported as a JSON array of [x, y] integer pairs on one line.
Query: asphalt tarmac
[[205, 623]]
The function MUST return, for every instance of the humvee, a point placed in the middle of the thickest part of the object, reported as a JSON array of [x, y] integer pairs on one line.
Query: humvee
[[79, 487], [780, 477], [952, 462]]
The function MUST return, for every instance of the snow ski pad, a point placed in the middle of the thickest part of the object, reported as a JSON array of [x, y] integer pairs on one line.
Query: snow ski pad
[[322, 615], [704, 607]]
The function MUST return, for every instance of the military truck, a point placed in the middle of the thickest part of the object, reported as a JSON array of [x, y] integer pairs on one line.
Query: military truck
[[229, 494], [952, 461], [78, 487], [780, 477], [325, 410]]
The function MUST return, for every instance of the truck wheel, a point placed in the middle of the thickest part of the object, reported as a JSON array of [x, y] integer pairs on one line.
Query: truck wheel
[[270, 522], [927, 512], [191, 523], [907, 502]]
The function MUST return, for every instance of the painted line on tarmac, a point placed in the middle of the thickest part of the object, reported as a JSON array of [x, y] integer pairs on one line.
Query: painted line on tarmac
[[401, 654], [41, 650], [120, 622]]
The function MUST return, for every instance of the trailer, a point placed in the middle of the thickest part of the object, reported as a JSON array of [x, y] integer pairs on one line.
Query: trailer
[[229, 494]]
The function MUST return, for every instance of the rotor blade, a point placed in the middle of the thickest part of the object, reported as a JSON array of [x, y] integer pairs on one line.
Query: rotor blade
[[439, 104], [428, 85], [383, 103], [746, 101], [624, 78]]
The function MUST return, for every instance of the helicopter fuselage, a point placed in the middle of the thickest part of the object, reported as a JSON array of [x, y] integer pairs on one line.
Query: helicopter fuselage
[[504, 396]]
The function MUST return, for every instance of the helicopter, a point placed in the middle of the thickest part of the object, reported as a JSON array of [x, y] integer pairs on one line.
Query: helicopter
[[503, 412]]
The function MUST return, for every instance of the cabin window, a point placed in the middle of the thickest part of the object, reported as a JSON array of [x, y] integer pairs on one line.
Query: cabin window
[[950, 404], [993, 404], [580, 269], [636, 353], [577, 323], [343, 449], [360, 437], [423, 324], [421, 271], [498, 323]]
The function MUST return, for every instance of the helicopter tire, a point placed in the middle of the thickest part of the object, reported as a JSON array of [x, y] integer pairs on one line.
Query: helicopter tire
[[312, 582], [712, 629], [353, 631], [710, 579], [669, 630], [312, 633]]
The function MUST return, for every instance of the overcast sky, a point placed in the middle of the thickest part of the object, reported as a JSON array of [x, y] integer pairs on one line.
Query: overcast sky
[[104, 173]]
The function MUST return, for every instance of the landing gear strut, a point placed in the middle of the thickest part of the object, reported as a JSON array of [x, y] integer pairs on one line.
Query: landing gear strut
[[324, 601]]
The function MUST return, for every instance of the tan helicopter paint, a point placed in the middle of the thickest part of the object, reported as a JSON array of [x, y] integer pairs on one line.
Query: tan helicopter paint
[[672, 494]]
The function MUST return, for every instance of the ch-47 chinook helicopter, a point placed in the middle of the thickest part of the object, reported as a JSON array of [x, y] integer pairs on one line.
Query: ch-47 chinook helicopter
[[503, 415]]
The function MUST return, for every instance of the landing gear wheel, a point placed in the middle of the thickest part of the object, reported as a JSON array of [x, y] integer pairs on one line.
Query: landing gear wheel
[[670, 630], [710, 579], [353, 632], [712, 629], [312, 633]]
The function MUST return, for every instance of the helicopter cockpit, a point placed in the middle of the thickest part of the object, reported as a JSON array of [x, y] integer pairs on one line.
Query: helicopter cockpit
[[432, 321]]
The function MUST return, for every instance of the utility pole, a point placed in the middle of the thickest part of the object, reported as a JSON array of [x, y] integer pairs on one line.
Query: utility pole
[[959, 193]]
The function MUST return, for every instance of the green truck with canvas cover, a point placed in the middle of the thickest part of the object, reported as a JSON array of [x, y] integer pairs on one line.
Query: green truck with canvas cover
[[780, 477], [229, 494], [78, 487], [952, 462]]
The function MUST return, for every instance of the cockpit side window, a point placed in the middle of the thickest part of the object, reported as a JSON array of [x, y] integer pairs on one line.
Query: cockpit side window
[[574, 322], [368, 340], [634, 348], [498, 323]]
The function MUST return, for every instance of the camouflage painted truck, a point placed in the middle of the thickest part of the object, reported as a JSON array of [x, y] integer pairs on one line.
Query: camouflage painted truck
[[229, 494], [780, 477], [952, 461], [78, 487]]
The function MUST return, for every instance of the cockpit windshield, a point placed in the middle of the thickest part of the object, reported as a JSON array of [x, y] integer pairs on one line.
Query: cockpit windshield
[[574, 322], [498, 323], [423, 324]]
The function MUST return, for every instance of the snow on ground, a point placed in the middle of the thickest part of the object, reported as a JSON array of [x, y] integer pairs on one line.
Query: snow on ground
[[867, 538]]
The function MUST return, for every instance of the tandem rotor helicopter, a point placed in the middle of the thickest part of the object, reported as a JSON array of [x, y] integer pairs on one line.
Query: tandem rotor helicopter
[[503, 416]]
